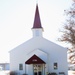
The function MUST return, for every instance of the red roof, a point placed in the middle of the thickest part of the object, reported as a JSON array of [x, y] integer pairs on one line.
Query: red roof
[[34, 60], [37, 22]]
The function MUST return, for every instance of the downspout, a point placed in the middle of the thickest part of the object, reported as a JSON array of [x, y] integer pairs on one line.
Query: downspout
[[48, 62]]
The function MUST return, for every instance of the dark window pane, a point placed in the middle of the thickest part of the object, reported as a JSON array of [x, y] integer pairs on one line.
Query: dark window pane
[[55, 66], [20, 66]]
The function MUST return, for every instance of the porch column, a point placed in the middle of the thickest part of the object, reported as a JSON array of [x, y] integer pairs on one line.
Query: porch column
[[25, 68]]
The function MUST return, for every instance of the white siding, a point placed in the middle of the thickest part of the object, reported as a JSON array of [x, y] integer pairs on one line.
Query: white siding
[[44, 49]]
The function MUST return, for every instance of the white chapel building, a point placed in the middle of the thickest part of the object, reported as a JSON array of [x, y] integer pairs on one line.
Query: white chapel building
[[38, 56]]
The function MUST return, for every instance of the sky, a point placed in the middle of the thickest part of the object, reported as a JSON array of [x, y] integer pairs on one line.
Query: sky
[[17, 17]]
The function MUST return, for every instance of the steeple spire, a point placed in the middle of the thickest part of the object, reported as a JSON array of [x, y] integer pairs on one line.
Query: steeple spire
[[37, 21], [37, 28]]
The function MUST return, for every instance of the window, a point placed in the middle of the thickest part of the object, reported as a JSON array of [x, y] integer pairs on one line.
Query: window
[[20, 66], [55, 65]]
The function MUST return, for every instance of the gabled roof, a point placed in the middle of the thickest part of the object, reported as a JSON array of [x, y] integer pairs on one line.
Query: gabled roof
[[37, 22], [34, 60]]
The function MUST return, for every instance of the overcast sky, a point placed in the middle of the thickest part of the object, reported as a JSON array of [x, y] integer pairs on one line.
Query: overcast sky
[[17, 17]]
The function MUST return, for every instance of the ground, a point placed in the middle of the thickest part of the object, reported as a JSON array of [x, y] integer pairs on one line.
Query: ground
[[4, 72], [71, 72], [7, 72]]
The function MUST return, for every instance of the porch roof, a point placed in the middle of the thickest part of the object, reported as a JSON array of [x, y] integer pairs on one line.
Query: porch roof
[[35, 60]]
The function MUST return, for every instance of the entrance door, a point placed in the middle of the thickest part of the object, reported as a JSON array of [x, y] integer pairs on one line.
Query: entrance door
[[37, 69]]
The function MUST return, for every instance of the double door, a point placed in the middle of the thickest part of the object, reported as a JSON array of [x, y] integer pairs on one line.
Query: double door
[[37, 68]]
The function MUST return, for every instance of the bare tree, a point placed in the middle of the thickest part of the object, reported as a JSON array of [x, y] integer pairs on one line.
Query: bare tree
[[68, 31]]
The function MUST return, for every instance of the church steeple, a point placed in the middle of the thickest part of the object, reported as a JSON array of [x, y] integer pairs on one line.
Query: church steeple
[[37, 27], [37, 21]]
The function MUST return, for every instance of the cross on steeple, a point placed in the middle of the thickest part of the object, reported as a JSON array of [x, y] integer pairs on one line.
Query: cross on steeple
[[36, 1]]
